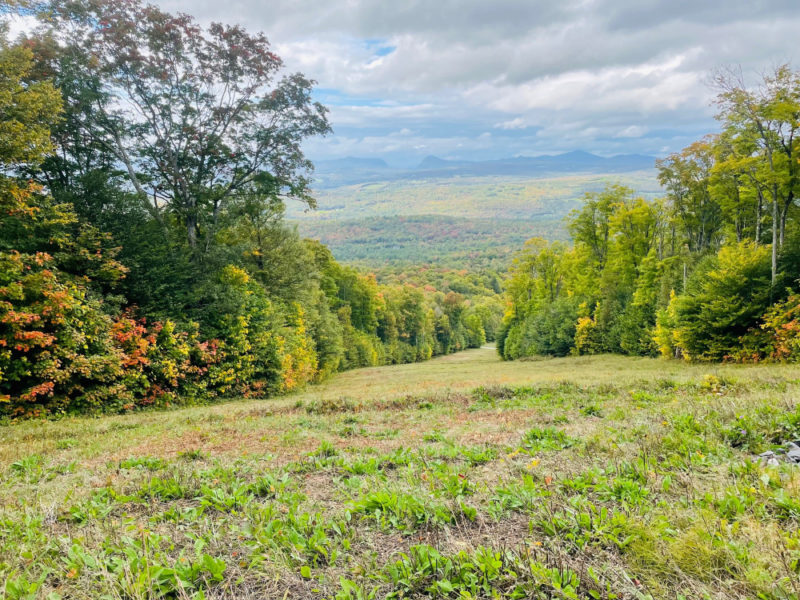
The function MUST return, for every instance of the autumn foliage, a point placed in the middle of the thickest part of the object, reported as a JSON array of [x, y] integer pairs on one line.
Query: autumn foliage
[[144, 261]]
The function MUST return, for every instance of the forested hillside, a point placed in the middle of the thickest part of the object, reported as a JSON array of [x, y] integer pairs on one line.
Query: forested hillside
[[147, 163], [708, 272], [465, 221], [475, 244]]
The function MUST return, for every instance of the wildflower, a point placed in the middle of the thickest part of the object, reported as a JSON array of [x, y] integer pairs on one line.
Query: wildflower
[[532, 464]]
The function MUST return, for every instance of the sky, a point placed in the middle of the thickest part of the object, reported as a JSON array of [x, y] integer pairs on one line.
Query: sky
[[487, 79]]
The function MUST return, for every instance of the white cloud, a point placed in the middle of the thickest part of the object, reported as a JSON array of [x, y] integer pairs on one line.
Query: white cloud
[[632, 131], [600, 75], [515, 123]]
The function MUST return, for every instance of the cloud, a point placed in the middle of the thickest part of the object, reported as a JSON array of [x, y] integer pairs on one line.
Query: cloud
[[515, 123], [632, 131], [600, 75]]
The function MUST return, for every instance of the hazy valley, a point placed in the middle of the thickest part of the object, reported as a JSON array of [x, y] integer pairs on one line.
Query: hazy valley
[[455, 214]]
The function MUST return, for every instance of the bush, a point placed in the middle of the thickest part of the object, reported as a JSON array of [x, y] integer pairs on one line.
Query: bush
[[778, 336], [782, 323], [162, 365], [586, 336], [265, 348], [56, 349], [547, 331], [725, 297]]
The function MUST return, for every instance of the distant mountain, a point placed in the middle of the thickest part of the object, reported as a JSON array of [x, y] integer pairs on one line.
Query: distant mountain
[[570, 162], [351, 162], [434, 162], [352, 170]]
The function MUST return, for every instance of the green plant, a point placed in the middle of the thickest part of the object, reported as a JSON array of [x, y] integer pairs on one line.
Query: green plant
[[548, 438]]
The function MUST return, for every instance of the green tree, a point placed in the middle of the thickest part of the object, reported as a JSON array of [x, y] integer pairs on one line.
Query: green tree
[[768, 116], [29, 109], [696, 215], [56, 350], [537, 274], [725, 297], [193, 114]]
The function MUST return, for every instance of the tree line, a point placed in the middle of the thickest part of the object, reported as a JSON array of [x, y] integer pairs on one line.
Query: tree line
[[708, 272], [145, 165]]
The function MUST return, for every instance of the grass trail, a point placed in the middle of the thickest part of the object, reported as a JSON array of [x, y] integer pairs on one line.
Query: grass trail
[[168, 432], [462, 477]]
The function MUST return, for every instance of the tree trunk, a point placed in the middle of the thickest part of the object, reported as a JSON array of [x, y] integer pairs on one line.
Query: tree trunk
[[740, 217], [775, 227], [672, 240], [191, 229], [784, 212], [774, 217], [759, 209], [685, 275]]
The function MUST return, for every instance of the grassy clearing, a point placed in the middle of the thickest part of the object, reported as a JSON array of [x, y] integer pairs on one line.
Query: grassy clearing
[[463, 477]]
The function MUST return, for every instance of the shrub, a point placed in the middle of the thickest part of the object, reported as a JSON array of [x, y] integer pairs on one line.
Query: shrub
[[163, 365], [56, 349], [547, 331], [779, 335], [725, 297]]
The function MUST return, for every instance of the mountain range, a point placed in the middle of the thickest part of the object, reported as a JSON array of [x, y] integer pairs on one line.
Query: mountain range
[[352, 170]]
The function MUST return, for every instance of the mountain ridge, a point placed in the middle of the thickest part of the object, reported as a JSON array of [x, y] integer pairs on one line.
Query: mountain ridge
[[350, 170]]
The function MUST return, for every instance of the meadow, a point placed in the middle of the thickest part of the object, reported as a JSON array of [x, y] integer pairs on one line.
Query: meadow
[[461, 477]]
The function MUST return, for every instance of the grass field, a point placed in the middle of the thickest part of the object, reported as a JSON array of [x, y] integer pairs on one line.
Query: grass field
[[463, 477]]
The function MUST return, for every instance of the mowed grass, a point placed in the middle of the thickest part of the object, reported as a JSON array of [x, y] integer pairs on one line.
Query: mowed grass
[[462, 477]]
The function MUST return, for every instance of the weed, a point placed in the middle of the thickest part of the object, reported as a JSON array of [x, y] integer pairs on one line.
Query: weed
[[548, 438], [66, 444], [331, 405], [29, 467], [406, 511], [147, 462], [191, 455], [167, 488], [435, 436], [591, 410]]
